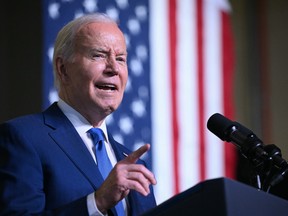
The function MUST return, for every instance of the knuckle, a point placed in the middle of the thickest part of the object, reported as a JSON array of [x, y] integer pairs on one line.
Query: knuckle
[[142, 168]]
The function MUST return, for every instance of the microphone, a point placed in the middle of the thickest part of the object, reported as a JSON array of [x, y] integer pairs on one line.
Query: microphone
[[250, 146], [247, 142]]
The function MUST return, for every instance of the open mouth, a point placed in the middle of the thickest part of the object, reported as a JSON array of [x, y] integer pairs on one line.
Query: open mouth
[[106, 87]]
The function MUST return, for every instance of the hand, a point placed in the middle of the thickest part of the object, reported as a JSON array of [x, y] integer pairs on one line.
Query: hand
[[125, 175]]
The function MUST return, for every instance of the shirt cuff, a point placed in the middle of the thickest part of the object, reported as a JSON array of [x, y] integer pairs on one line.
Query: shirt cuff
[[92, 207]]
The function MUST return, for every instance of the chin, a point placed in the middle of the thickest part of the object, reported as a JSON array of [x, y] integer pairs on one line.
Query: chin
[[108, 109], [109, 106]]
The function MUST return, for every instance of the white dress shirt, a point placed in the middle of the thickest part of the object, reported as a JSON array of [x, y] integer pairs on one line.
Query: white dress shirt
[[82, 126]]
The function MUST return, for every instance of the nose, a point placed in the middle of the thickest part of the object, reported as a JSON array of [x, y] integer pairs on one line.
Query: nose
[[112, 66]]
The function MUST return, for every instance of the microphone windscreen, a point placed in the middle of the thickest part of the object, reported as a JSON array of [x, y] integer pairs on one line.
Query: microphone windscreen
[[219, 125]]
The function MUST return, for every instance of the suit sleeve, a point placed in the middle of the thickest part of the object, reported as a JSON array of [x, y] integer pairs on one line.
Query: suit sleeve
[[21, 179]]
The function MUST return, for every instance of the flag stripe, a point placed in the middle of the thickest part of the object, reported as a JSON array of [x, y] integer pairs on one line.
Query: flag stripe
[[228, 62], [213, 81], [200, 50], [187, 96], [174, 89], [162, 149]]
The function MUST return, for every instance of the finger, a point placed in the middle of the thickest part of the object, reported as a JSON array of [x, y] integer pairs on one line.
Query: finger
[[149, 176], [134, 156], [137, 186], [140, 178], [137, 168]]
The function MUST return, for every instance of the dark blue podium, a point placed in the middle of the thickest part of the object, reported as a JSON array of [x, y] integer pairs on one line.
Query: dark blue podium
[[222, 197]]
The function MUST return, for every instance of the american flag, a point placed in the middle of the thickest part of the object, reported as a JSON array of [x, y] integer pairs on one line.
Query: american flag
[[180, 72]]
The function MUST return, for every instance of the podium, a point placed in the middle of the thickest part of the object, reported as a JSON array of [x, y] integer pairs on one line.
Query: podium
[[221, 197]]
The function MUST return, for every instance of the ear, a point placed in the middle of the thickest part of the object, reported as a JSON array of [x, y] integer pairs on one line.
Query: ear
[[61, 70]]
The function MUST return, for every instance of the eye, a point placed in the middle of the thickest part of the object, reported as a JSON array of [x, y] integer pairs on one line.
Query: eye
[[121, 59], [98, 55]]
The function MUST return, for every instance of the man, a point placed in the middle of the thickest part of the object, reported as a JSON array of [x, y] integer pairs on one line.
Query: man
[[47, 160]]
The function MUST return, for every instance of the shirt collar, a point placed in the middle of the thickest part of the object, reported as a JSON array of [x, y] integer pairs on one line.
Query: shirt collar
[[79, 122]]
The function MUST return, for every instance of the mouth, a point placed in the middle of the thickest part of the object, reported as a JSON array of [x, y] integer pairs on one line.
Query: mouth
[[107, 87]]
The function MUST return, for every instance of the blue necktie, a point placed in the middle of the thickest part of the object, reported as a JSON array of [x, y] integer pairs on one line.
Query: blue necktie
[[103, 162]]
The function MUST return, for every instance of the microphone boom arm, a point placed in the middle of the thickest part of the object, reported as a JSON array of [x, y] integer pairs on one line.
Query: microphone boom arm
[[267, 160]]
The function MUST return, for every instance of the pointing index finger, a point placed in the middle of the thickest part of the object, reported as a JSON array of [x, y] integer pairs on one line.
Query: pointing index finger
[[134, 156]]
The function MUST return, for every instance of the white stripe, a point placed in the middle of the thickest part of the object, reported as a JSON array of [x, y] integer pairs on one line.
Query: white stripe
[[187, 94], [160, 95], [213, 85]]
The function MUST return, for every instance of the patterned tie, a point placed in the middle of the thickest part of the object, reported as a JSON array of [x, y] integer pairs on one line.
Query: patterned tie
[[103, 162]]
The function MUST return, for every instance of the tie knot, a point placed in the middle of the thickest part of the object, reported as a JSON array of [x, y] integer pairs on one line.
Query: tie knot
[[97, 134]]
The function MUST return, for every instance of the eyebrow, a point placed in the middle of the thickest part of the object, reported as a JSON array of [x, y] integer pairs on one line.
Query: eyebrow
[[98, 50], [101, 50]]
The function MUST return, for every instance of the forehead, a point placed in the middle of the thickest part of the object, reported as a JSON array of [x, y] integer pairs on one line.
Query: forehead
[[100, 32]]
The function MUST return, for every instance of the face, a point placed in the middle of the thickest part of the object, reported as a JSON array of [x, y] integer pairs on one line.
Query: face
[[93, 82]]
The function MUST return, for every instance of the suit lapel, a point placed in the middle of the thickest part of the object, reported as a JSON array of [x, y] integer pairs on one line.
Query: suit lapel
[[67, 138], [119, 150]]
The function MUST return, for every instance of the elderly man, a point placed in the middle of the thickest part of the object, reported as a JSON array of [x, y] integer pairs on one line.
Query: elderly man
[[59, 162]]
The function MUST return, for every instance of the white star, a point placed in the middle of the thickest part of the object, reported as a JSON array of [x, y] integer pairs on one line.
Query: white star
[[126, 125], [118, 137], [50, 53], [78, 13], [137, 145], [127, 40], [141, 52], [133, 26], [53, 95], [53, 10], [141, 12], [90, 5], [110, 119], [136, 66], [113, 13], [138, 108], [128, 85], [122, 4]]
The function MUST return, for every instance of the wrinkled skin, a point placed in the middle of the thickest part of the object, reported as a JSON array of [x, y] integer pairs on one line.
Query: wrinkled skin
[[94, 80]]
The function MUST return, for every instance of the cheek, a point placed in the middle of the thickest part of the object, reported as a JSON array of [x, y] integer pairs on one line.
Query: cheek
[[85, 74], [125, 77]]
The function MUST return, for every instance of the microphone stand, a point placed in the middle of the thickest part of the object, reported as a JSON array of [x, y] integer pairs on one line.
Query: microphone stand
[[269, 167], [279, 167]]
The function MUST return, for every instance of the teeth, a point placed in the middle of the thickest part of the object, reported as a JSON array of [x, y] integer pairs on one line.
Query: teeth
[[107, 86], [110, 86]]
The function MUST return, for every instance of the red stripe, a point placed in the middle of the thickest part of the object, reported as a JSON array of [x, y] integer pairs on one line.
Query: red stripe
[[228, 66], [200, 69], [173, 78]]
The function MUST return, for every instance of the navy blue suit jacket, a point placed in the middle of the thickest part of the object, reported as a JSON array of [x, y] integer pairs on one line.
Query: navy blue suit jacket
[[46, 169]]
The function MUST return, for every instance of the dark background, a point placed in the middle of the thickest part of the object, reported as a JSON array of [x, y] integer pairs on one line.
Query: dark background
[[20, 58]]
